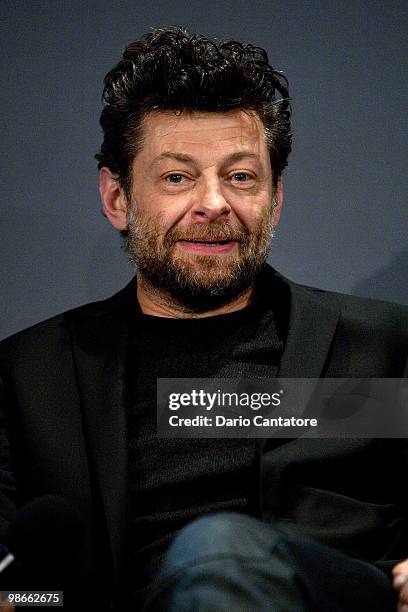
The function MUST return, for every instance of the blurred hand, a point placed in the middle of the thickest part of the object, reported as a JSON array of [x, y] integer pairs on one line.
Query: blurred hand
[[400, 583]]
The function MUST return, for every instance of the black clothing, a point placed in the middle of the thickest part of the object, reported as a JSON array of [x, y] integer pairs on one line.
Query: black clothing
[[62, 392], [172, 481]]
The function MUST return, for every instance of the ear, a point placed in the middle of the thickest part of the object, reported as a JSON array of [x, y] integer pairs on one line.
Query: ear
[[113, 199], [278, 195]]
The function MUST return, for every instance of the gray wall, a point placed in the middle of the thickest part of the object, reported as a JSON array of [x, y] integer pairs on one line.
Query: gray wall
[[345, 223]]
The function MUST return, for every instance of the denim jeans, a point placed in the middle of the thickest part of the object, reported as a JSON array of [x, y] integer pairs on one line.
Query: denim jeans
[[236, 563]]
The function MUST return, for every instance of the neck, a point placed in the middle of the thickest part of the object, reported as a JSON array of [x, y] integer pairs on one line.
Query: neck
[[158, 304]]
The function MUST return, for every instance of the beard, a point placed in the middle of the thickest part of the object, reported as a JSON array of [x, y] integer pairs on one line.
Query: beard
[[197, 282]]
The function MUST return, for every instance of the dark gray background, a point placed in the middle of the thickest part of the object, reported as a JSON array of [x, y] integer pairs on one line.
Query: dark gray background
[[344, 226]]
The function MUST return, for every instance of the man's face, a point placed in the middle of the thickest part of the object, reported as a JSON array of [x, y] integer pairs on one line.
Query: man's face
[[200, 215]]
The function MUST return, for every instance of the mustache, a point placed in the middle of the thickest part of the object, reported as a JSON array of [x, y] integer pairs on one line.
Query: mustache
[[201, 232]]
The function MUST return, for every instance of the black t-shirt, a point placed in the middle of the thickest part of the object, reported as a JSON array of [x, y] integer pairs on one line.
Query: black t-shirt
[[172, 480]]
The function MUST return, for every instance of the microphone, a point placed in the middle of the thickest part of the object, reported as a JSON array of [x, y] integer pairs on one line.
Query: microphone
[[43, 545]]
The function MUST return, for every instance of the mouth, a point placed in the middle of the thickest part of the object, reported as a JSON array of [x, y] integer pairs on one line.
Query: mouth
[[207, 246]]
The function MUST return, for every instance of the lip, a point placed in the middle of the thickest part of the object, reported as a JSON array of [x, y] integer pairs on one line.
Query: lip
[[208, 248]]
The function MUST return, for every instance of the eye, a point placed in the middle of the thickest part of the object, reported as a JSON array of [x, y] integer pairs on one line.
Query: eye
[[174, 178], [241, 177], [244, 179]]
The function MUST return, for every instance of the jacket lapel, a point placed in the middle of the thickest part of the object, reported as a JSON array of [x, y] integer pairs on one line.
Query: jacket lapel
[[100, 337], [311, 328], [312, 324]]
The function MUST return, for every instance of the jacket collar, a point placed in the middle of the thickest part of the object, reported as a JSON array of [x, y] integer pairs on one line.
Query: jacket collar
[[311, 328]]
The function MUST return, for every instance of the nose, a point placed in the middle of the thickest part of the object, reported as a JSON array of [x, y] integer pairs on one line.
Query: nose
[[210, 202]]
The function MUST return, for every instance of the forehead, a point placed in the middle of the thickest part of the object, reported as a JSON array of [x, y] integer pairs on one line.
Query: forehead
[[203, 132]]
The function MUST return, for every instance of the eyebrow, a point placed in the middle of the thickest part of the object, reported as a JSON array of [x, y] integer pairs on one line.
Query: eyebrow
[[182, 157]]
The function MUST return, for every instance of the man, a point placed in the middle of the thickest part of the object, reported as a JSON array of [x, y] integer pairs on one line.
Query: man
[[196, 136]]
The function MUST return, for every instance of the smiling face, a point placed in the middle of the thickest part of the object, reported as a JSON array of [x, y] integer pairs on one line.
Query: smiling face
[[200, 214]]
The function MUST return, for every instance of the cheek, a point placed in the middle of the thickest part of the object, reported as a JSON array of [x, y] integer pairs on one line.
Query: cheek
[[252, 210], [250, 217], [156, 223], [163, 212]]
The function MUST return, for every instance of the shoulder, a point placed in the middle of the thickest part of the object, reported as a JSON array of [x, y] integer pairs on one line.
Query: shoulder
[[350, 307], [369, 338], [362, 309], [359, 324], [55, 333]]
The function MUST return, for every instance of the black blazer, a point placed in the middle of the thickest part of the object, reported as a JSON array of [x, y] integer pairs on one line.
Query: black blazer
[[62, 396]]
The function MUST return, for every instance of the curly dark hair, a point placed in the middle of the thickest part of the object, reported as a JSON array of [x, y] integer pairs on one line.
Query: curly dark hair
[[173, 69]]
